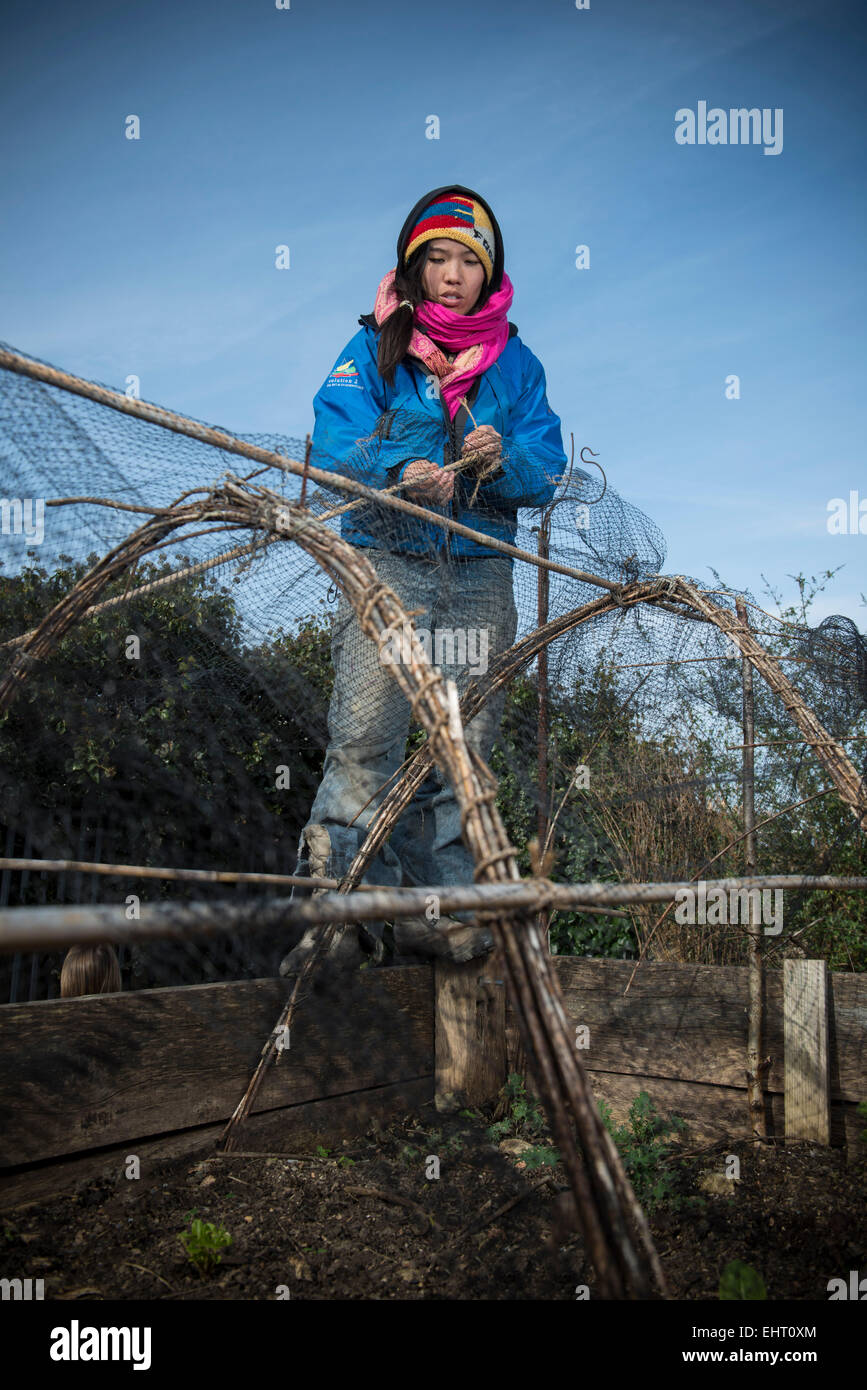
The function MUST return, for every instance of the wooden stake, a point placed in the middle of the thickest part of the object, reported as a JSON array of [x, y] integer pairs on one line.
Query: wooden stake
[[542, 593], [470, 1032], [757, 1066], [807, 1061]]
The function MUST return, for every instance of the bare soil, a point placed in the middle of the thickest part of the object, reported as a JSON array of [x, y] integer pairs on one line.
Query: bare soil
[[366, 1222]]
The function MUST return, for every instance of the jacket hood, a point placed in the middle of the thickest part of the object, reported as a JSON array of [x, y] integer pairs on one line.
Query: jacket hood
[[403, 238]]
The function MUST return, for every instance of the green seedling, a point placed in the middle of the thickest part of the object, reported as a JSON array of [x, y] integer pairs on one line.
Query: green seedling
[[645, 1148], [204, 1243], [540, 1156], [740, 1281], [525, 1119]]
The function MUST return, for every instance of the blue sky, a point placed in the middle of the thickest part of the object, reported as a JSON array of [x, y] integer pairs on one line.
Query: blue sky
[[306, 127]]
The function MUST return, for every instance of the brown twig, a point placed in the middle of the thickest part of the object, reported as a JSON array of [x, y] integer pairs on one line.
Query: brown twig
[[475, 1225], [131, 1265], [396, 1199], [85, 866]]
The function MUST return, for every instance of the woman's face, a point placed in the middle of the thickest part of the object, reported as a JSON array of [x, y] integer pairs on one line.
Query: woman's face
[[453, 275]]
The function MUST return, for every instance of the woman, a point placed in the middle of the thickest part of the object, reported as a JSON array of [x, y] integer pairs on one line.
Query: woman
[[437, 353]]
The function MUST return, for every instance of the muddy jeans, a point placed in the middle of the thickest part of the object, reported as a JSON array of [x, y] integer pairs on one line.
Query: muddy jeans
[[468, 610]]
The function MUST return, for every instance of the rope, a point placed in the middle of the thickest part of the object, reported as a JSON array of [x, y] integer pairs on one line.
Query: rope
[[370, 599], [494, 858]]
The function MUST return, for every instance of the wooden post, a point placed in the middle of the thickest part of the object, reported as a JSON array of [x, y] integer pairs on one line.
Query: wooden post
[[470, 1032], [308, 445], [757, 1066], [807, 1082], [542, 728]]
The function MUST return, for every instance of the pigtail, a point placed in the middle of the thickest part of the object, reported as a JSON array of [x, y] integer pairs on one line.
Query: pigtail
[[396, 333]]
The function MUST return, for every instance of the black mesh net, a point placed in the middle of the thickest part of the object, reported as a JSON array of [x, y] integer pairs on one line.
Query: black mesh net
[[184, 722]]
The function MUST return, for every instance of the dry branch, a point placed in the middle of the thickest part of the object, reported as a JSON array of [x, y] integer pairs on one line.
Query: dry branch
[[50, 928]]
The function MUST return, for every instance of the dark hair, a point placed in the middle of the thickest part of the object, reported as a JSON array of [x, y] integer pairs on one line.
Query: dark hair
[[396, 332], [89, 970]]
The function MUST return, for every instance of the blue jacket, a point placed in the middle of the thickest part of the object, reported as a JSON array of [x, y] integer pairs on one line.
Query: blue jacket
[[357, 434]]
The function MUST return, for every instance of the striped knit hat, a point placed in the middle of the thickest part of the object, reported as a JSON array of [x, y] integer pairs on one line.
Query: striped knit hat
[[459, 214]]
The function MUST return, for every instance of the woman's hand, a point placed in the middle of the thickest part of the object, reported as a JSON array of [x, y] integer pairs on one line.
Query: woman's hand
[[428, 482], [485, 441], [486, 445]]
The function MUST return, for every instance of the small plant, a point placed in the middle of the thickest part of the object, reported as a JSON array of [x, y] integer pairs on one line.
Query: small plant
[[344, 1161], [321, 1151], [540, 1156], [204, 1243], [525, 1118], [454, 1145], [741, 1281], [644, 1148], [408, 1154]]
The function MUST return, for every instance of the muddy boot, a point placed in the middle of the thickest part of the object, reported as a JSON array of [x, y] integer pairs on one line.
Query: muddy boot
[[345, 950], [420, 937]]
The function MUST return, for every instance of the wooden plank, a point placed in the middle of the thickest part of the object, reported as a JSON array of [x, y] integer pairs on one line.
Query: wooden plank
[[847, 1127], [713, 1113], [470, 1032], [293, 1129], [690, 1022], [85, 1073], [637, 1042], [807, 1088], [716, 1113], [848, 1036]]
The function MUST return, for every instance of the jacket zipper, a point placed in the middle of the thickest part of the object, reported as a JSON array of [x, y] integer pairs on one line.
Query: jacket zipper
[[452, 438], [452, 443]]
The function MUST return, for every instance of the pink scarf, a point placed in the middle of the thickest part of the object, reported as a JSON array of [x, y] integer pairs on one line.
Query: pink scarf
[[480, 338]]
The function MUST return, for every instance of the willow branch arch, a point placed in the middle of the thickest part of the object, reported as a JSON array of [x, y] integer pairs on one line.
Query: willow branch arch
[[608, 1211]]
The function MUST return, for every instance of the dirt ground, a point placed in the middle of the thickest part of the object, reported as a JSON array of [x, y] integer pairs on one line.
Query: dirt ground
[[365, 1222]]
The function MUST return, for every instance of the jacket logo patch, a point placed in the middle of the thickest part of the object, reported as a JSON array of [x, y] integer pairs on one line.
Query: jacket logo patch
[[346, 374]]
